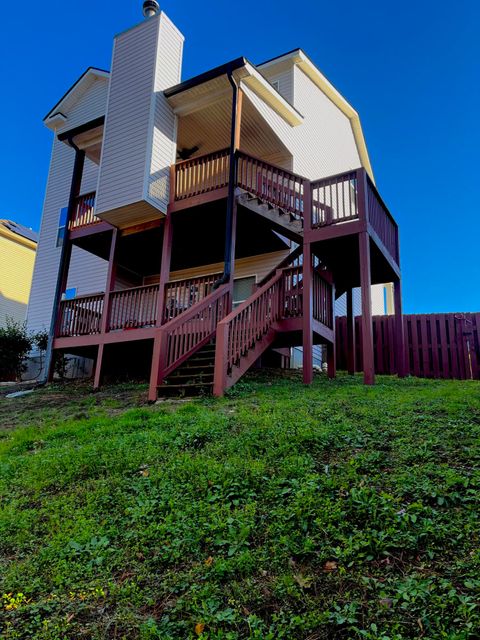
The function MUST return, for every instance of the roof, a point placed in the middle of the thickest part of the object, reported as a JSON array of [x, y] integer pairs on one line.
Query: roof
[[19, 230], [299, 58], [87, 75]]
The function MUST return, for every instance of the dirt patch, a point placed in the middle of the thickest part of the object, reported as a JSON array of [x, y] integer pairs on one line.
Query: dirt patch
[[60, 402]]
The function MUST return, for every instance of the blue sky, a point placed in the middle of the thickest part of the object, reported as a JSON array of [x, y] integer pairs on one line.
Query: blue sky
[[412, 70]]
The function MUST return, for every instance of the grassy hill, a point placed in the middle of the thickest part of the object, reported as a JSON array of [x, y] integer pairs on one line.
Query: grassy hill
[[279, 512]]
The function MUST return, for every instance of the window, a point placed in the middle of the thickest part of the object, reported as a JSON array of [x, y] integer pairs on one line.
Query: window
[[242, 289], [62, 226], [276, 84]]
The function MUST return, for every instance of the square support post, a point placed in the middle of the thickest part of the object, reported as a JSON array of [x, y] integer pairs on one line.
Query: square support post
[[367, 322], [307, 314], [332, 346], [159, 342], [109, 286], [351, 346], [399, 330]]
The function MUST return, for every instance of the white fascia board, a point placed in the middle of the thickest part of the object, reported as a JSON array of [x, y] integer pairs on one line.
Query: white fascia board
[[52, 120], [264, 90]]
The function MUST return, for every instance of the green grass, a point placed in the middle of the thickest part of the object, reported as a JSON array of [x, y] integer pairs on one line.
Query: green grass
[[279, 512]]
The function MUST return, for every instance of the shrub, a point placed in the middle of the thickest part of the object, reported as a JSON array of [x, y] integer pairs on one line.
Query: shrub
[[15, 343]]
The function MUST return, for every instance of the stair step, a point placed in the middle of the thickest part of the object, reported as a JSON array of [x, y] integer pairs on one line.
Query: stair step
[[185, 389], [183, 377], [195, 369], [196, 361]]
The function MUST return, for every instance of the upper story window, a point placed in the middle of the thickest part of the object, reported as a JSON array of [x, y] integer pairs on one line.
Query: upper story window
[[276, 84], [62, 226]]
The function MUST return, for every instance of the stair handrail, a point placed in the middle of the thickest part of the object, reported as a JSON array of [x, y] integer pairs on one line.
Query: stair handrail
[[249, 330], [292, 200], [286, 262], [177, 345]]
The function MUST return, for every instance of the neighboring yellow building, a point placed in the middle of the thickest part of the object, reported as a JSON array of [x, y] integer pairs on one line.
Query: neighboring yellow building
[[17, 257]]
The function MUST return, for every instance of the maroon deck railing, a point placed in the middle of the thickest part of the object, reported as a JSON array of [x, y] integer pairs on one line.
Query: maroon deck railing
[[133, 308], [84, 212], [252, 319], [201, 174], [180, 295], [338, 199], [382, 221], [185, 334], [271, 183], [322, 300], [334, 199], [293, 291], [239, 334], [437, 345], [80, 316]]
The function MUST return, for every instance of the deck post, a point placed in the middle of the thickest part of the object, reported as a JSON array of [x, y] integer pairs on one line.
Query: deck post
[[65, 255], [110, 283], [164, 267], [307, 324], [399, 329], [109, 286], [367, 322], [159, 342], [97, 378], [332, 346], [351, 346], [221, 353]]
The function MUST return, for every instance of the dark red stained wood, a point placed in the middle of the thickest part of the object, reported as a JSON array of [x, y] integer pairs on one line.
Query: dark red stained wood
[[367, 333], [350, 334], [307, 314], [436, 345]]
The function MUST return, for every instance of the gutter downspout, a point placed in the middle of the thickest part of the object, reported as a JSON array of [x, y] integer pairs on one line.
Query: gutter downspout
[[232, 181], [64, 257]]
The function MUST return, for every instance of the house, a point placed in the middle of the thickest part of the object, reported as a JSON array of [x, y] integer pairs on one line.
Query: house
[[195, 228], [17, 256]]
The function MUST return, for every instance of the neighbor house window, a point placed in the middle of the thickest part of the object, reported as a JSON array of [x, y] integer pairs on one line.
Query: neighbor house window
[[62, 226]]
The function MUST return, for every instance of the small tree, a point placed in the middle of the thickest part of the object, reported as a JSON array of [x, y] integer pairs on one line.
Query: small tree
[[15, 343]]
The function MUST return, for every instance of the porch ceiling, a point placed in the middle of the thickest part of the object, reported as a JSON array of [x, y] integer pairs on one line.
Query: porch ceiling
[[208, 128]]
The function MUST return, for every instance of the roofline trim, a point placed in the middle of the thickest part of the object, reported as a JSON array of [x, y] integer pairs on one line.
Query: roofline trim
[[216, 72], [17, 237], [95, 70]]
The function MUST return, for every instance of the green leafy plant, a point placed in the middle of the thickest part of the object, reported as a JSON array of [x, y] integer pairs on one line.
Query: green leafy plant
[[15, 343]]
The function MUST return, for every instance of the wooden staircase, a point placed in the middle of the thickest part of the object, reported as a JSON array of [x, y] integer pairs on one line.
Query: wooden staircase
[[192, 378], [282, 220]]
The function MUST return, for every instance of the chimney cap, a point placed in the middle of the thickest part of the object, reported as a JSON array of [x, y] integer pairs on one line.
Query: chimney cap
[[150, 8]]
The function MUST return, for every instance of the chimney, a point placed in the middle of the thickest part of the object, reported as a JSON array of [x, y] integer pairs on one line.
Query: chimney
[[150, 8]]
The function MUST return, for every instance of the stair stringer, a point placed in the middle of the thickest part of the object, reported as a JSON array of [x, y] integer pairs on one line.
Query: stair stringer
[[282, 221], [251, 357]]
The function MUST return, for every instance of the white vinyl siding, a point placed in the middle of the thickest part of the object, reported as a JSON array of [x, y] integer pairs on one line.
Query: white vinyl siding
[[284, 80], [163, 134], [323, 144], [89, 106], [87, 272], [378, 302]]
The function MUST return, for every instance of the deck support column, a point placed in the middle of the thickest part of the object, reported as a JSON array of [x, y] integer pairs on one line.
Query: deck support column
[[159, 345], [65, 255], [109, 287], [367, 323], [307, 314], [399, 329], [350, 334]]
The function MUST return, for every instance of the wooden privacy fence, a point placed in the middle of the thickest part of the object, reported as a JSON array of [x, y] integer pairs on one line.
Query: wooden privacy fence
[[437, 345]]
